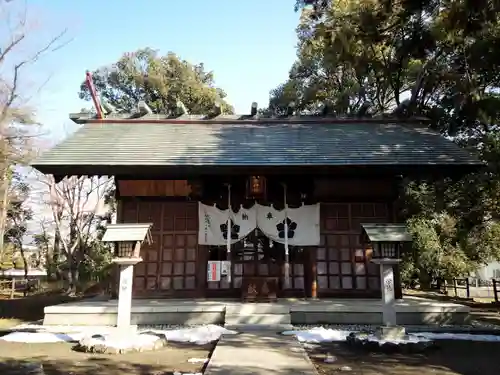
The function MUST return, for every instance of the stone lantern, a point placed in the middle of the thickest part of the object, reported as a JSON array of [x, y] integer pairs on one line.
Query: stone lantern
[[127, 240], [387, 241]]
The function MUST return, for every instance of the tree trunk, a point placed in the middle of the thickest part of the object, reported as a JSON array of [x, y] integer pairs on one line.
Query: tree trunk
[[425, 280], [4, 204], [75, 276], [68, 274], [56, 253], [25, 266]]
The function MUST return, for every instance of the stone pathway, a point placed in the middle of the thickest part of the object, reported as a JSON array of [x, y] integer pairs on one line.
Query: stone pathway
[[259, 353]]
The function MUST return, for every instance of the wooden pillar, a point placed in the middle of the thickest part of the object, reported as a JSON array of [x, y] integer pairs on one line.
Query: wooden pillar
[[115, 268], [201, 270], [394, 218], [312, 291]]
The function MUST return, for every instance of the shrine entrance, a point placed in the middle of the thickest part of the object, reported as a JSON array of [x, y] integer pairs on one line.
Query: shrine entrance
[[258, 264], [257, 269]]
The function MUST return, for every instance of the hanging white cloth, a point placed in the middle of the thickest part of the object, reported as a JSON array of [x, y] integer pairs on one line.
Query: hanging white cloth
[[213, 228], [302, 224]]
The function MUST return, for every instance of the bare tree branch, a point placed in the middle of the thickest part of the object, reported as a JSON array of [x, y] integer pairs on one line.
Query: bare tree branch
[[75, 204]]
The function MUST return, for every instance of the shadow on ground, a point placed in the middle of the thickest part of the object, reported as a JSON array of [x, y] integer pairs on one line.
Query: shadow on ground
[[452, 357], [30, 308], [59, 359], [93, 366]]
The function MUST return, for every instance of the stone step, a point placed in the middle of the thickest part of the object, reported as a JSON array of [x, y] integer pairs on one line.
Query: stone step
[[269, 319], [256, 308], [259, 353], [259, 327]]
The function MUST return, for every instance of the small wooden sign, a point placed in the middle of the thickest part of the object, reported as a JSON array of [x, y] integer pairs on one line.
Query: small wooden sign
[[213, 270]]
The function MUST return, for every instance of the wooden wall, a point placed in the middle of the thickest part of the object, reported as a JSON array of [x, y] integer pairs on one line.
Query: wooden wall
[[154, 188], [174, 265], [319, 189]]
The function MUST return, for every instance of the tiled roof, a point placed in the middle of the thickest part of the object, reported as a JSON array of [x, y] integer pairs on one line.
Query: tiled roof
[[127, 232], [253, 144], [387, 232]]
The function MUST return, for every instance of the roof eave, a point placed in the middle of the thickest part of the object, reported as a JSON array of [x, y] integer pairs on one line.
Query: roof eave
[[86, 118], [182, 171]]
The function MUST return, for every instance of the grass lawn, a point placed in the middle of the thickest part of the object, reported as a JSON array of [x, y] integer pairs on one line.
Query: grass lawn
[[60, 359], [452, 357]]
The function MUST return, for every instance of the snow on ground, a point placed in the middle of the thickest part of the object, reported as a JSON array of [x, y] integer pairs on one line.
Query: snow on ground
[[198, 360], [41, 337], [321, 334], [196, 335], [200, 335], [123, 342]]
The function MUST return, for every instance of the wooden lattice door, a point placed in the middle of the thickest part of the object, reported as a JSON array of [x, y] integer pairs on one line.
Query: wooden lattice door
[[342, 261], [169, 263]]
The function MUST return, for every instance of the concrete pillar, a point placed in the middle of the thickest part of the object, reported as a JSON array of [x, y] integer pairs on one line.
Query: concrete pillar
[[125, 295], [387, 286], [388, 290], [126, 269]]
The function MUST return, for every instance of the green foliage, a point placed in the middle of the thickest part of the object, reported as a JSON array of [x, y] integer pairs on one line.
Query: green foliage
[[435, 58], [18, 216], [432, 58], [161, 81], [19, 263], [454, 224], [6, 258], [96, 263]]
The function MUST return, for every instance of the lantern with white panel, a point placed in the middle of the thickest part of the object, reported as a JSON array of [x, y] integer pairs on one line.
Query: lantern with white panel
[[127, 240], [387, 241]]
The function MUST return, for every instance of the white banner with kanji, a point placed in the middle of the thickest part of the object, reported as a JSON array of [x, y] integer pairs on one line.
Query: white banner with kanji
[[302, 224], [213, 228]]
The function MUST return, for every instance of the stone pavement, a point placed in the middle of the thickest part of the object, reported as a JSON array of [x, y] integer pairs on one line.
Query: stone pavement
[[259, 353]]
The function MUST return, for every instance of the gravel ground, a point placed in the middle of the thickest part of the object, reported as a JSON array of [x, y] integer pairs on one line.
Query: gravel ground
[[474, 328]]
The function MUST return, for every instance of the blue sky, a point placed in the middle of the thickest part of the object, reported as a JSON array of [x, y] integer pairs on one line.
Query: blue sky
[[249, 44]]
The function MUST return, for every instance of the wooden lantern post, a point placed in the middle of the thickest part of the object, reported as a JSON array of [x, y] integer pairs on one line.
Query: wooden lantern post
[[127, 239], [387, 240]]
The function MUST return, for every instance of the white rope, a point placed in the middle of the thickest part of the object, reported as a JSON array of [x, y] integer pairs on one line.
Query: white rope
[[287, 264], [228, 237]]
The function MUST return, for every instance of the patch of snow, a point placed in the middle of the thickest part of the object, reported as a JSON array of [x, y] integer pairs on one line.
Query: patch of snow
[[408, 339], [200, 335], [40, 337], [321, 334], [198, 360], [330, 358], [123, 342], [196, 335]]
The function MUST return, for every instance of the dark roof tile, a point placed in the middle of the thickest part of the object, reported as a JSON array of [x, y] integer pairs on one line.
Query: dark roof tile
[[259, 144]]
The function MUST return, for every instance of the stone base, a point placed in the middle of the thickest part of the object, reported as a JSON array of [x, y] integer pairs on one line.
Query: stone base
[[122, 341], [388, 333], [405, 344]]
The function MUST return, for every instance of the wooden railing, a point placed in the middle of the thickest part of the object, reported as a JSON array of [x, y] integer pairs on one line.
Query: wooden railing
[[495, 289], [460, 284], [471, 288], [13, 286]]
